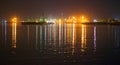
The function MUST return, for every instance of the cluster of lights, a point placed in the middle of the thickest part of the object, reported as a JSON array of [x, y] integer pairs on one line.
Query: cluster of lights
[[77, 20], [14, 19], [51, 20], [72, 19], [83, 19]]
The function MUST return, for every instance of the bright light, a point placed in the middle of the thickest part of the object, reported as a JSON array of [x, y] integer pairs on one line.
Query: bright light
[[37, 21], [14, 28], [4, 21], [82, 17], [41, 19], [51, 21], [60, 20], [73, 17], [95, 20], [14, 19], [83, 38]]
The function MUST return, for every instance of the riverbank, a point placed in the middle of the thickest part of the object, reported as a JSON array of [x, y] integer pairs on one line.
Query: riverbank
[[102, 23]]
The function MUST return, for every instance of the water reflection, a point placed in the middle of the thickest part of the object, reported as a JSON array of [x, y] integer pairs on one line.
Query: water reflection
[[117, 36], [74, 39], [83, 38], [28, 30], [45, 36], [60, 42], [4, 33], [94, 38], [14, 27], [41, 37], [36, 36], [61, 38]]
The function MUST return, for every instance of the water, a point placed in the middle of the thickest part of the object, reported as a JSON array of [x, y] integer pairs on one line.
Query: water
[[53, 44]]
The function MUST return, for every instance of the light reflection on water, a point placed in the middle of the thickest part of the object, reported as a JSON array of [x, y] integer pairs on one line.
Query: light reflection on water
[[14, 28], [83, 38], [67, 42], [94, 38]]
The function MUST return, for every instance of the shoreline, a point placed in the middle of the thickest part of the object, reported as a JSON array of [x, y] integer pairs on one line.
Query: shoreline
[[102, 23]]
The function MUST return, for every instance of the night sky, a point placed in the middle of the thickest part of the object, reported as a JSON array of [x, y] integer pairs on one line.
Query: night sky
[[93, 8]]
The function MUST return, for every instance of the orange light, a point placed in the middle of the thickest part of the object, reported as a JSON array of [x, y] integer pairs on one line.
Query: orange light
[[83, 17], [14, 19], [73, 17]]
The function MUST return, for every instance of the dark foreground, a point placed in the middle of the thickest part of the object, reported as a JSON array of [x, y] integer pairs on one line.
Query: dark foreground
[[49, 57]]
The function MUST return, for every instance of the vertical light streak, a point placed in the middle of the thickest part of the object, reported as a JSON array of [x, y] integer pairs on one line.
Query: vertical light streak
[[28, 32], [65, 32], [50, 33], [45, 36], [14, 35], [68, 33], [36, 36], [54, 33], [2, 32], [74, 39], [68, 39], [94, 38], [5, 31], [83, 38], [41, 37], [59, 35]]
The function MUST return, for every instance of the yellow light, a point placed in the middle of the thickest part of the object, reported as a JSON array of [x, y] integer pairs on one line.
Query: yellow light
[[14, 19], [14, 28], [83, 38], [83, 17], [59, 21], [73, 17]]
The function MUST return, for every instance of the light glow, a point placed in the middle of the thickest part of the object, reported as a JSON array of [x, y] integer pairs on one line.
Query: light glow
[[83, 19], [14, 27], [14, 19], [50, 21], [95, 20], [83, 38]]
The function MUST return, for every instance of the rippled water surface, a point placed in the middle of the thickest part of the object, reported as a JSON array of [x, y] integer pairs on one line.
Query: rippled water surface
[[65, 44]]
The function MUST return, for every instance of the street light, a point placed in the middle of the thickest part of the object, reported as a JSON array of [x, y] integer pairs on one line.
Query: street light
[[14, 19]]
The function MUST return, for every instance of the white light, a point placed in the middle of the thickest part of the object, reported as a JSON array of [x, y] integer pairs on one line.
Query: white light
[[51, 21], [5, 21], [95, 20]]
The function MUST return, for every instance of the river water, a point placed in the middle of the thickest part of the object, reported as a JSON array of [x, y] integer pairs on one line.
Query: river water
[[65, 44]]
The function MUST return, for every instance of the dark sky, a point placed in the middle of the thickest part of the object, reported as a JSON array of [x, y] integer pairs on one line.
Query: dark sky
[[104, 8]]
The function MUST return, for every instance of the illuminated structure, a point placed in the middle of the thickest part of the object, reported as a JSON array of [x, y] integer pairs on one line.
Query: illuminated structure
[[51, 20]]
